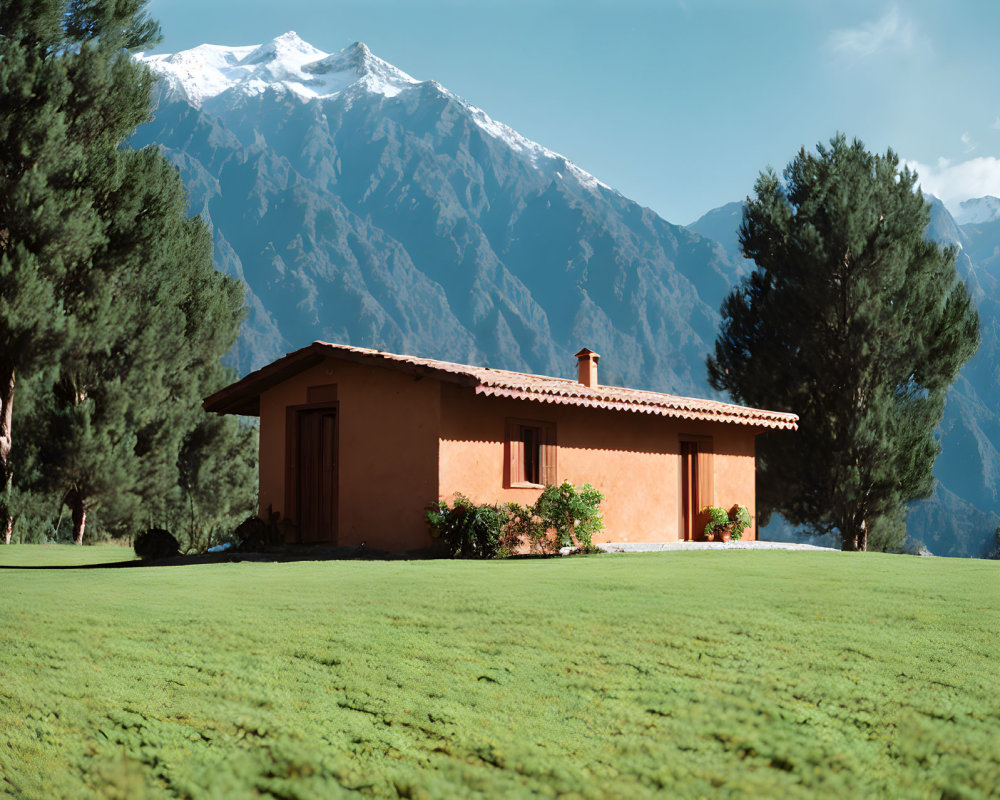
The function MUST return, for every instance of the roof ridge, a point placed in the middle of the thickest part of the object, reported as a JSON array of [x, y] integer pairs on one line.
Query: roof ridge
[[243, 397], [621, 396]]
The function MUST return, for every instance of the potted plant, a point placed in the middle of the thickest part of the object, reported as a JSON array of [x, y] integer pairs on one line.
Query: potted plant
[[726, 525], [740, 520], [718, 524]]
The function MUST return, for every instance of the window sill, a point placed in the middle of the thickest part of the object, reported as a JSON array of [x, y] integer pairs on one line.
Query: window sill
[[526, 486]]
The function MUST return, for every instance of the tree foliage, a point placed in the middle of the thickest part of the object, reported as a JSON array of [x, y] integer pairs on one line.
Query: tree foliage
[[110, 304], [854, 321]]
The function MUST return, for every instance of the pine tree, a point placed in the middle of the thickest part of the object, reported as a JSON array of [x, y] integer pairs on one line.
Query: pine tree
[[152, 325], [69, 90], [109, 299], [855, 322]]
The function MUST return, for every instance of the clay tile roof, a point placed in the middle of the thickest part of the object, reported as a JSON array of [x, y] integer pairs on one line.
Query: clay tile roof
[[243, 396]]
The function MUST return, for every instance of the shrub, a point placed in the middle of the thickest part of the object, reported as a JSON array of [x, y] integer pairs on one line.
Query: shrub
[[572, 514], [470, 531], [524, 526], [563, 516], [155, 544]]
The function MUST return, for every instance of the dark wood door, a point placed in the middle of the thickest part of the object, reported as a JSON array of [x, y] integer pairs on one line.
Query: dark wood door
[[689, 489], [317, 475]]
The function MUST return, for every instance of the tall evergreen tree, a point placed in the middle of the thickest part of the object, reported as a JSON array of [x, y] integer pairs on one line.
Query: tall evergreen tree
[[112, 294], [70, 92], [154, 321], [857, 323]]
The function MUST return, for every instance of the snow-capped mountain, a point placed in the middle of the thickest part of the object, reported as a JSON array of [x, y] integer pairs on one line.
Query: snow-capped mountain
[[285, 64], [978, 210], [218, 75], [361, 205]]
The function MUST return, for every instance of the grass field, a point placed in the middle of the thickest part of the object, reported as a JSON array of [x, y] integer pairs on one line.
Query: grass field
[[684, 674]]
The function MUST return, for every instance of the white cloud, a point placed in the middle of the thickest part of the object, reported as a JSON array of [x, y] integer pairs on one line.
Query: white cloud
[[953, 183], [889, 31], [996, 123], [967, 142]]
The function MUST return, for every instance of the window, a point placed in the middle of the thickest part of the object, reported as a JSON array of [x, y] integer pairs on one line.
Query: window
[[531, 453]]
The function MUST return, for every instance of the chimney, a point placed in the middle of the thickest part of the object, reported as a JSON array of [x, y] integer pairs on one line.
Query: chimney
[[586, 364]]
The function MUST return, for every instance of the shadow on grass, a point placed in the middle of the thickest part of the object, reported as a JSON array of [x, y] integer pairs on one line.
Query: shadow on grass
[[278, 555], [289, 553]]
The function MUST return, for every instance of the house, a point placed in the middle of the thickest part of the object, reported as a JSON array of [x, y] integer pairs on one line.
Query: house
[[354, 443]]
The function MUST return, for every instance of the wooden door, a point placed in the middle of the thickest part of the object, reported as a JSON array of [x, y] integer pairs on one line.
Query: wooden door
[[317, 475], [689, 489], [697, 485]]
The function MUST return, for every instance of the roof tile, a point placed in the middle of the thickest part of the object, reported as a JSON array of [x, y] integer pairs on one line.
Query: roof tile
[[544, 389]]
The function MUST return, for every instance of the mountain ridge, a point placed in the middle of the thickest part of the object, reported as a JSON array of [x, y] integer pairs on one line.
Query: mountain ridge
[[413, 221]]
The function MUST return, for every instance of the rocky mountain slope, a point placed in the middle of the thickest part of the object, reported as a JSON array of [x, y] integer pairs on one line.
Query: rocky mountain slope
[[360, 205]]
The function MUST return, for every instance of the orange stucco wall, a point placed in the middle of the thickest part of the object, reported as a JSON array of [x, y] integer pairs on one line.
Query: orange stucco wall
[[404, 441], [633, 459], [388, 471]]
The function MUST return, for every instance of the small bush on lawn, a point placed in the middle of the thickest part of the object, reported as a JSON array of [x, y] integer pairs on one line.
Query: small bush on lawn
[[740, 516], [155, 544], [524, 527], [255, 534], [563, 516]]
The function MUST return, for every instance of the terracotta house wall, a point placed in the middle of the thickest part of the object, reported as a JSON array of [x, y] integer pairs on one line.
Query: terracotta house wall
[[634, 459], [388, 455], [404, 441]]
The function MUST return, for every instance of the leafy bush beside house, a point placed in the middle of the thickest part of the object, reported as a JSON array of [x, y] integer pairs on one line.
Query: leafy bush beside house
[[563, 516], [572, 513], [467, 530]]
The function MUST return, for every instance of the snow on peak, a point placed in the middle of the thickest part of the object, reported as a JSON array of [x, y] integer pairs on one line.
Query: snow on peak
[[285, 49], [286, 63], [540, 157], [369, 70], [289, 64], [978, 210]]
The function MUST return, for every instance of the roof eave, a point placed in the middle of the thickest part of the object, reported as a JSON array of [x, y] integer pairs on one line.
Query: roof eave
[[757, 419], [243, 397]]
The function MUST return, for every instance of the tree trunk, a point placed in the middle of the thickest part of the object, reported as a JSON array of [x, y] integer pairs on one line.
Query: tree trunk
[[854, 537], [6, 439], [79, 513]]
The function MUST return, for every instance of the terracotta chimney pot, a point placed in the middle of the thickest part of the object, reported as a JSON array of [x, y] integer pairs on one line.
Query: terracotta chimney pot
[[586, 364]]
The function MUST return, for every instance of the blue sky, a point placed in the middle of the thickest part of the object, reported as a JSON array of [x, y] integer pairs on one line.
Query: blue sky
[[678, 104]]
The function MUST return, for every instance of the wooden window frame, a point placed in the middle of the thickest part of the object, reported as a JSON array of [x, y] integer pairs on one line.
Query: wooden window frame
[[514, 462]]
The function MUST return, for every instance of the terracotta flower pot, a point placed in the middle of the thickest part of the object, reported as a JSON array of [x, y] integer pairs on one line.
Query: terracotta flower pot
[[710, 537], [726, 534]]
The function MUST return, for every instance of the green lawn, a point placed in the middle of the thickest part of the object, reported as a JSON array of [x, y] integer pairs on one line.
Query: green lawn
[[62, 555], [687, 674]]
